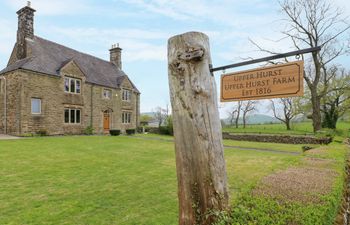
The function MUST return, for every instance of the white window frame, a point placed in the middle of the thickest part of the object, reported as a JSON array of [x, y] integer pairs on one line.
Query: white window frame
[[126, 95], [126, 117], [70, 114], [76, 81], [106, 96], [31, 103]]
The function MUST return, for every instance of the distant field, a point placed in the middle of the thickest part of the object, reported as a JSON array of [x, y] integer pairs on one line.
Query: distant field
[[304, 128], [132, 180]]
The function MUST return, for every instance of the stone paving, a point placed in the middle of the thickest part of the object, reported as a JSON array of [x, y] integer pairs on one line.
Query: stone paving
[[7, 137]]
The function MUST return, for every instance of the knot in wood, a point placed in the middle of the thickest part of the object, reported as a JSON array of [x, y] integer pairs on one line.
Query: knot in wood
[[191, 54], [178, 66]]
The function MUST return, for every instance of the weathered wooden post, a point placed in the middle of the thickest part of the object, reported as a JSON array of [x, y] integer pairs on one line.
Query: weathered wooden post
[[200, 163]]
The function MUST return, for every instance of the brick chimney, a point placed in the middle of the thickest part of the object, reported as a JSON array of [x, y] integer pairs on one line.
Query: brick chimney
[[25, 29], [116, 56]]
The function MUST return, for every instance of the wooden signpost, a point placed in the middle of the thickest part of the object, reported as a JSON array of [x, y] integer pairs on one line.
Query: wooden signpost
[[283, 80], [200, 163]]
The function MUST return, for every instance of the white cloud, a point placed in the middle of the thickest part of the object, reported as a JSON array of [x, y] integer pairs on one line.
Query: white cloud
[[138, 44], [223, 11], [7, 40], [45, 7]]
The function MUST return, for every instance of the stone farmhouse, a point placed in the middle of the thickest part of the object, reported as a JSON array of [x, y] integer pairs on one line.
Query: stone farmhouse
[[47, 87]]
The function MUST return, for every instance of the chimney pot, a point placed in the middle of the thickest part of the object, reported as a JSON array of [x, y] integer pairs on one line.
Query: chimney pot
[[25, 29], [116, 55]]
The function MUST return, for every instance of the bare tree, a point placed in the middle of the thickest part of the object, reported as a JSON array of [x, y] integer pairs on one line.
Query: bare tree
[[237, 110], [247, 107], [288, 110], [312, 23], [231, 115], [161, 115]]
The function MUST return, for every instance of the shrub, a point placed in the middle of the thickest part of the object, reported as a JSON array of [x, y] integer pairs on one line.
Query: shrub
[[114, 132], [130, 131], [89, 130], [42, 133], [306, 148], [163, 130], [168, 129]]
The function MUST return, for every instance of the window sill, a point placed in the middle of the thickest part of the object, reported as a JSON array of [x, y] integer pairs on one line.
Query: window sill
[[71, 93]]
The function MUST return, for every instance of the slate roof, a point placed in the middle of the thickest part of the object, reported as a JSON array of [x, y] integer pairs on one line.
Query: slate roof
[[49, 57]]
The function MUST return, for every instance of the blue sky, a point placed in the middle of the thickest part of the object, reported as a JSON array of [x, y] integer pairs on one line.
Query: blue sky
[[142, 28]]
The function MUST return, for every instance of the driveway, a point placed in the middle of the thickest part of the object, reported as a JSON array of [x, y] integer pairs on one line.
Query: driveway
[[7, 137]]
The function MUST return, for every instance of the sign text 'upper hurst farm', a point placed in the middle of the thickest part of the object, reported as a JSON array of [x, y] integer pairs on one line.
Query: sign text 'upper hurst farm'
[[284, 80]]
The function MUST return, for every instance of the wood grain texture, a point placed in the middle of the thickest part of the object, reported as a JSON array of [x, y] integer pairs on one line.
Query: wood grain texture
[[279, 81], [200, 164]]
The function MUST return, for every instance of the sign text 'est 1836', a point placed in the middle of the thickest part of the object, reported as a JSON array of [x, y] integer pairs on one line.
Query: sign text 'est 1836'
[[278, 81]]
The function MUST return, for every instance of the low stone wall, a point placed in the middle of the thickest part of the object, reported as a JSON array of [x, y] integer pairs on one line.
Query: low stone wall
[[286, 139]]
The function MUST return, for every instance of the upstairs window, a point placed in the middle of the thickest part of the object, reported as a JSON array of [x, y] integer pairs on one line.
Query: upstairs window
[[72, 116], [36, 105], [126, 117], [107, 94], [72, 85], [126, 95]]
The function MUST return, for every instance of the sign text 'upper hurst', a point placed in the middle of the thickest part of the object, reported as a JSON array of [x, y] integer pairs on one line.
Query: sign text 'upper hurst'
[[284, 80]]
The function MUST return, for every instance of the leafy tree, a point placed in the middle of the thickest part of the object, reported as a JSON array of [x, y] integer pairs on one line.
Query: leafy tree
[[336, 101], [145, 119]]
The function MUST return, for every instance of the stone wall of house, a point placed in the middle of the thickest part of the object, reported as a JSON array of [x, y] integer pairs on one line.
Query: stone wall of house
[[2, 94], [49, 89], [14, 99], [24, 85], [277, 138], [129, 106]]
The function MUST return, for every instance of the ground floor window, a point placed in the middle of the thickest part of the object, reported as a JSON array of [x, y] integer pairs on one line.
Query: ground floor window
[[126, 117], [36, 106], [72, 115]]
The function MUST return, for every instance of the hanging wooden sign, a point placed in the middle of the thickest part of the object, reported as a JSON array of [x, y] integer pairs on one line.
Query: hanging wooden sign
[[278, 81]]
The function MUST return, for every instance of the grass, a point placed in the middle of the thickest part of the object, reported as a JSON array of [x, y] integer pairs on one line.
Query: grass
[[304, 128], [249, 209], [87, 180], [124, 180]]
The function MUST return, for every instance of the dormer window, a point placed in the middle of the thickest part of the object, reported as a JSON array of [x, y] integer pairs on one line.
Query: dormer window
[[72, 85], [107, 94], [126, 95]]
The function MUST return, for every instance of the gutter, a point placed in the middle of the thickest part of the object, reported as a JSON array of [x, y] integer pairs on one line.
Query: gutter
[[5, 104]]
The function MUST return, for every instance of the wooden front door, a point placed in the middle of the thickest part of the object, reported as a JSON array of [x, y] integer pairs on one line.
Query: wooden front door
[[106, 122]]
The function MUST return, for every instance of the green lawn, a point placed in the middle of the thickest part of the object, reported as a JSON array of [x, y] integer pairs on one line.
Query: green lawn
[[304, 128], [124, 180]]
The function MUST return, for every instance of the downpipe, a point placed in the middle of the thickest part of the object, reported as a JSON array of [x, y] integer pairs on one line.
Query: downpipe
[[5, 103]]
